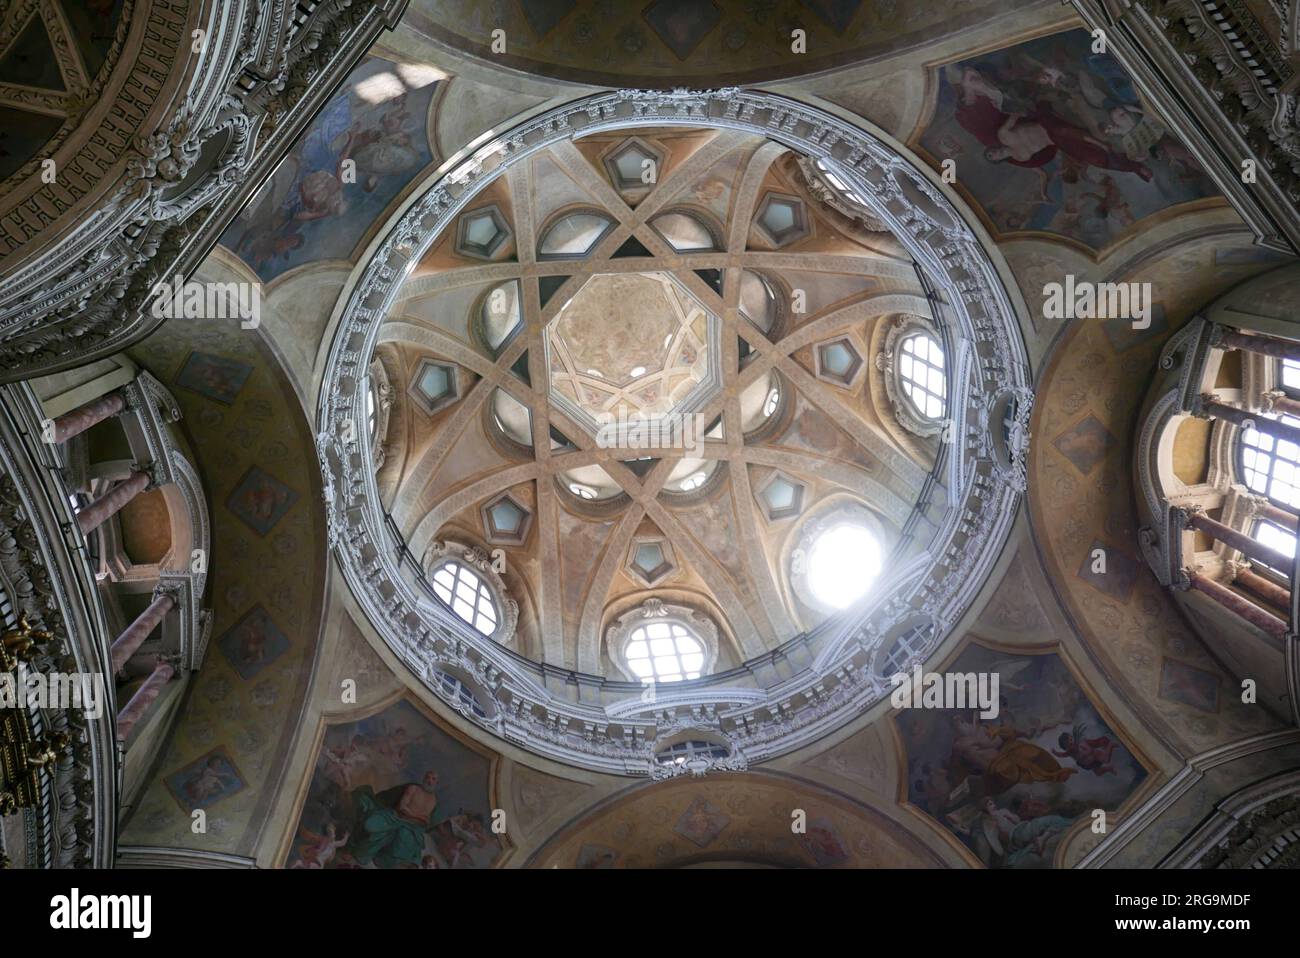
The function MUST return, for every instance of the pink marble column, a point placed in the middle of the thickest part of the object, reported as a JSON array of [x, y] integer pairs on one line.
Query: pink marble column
[[1270, 592], [77, 421], [1243, 543], [144, 697], [1269, 427], [129, 642], [1259, 343], [107, 505], [1240, 605], [1284, 518]]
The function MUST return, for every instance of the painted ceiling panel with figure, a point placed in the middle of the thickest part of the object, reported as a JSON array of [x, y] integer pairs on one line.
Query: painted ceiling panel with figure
[[1051, 136], [373, 135], [1011, 787]]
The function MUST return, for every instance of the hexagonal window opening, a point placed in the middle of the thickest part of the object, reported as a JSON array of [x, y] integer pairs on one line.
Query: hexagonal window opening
[[634, 165], [435, 385], [506, 520], [838, 361], [481, 233], [781, 496], [782, 218], [650, 559]]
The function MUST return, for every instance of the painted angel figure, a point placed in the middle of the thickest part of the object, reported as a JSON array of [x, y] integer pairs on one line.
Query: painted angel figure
[[319, 849], [1090, 754]]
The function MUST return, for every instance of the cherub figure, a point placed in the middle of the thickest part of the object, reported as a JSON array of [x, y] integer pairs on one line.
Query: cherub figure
[[1090, 754]]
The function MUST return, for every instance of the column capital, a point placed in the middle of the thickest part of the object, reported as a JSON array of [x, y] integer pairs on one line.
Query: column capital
[[1233, 568], [1199, 404], [154, 470], [169, 590]]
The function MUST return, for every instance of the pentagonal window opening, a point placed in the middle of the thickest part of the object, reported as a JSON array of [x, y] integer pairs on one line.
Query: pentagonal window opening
[[781, 496], [482, 233], [435, 385], [634, 165], [782, 218], [506, 520], [838, 361], [650, 559]]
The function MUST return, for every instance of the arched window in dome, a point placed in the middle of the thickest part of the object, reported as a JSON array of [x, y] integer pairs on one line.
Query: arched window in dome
[[842, 564], [684, 232], [921, 374], [574, 235], [915, 373], [466, 593], [692, 751], [665, 651], [459, 694], [838, 555]]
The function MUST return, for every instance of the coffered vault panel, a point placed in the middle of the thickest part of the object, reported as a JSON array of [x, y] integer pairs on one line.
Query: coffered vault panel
[[579, 562]]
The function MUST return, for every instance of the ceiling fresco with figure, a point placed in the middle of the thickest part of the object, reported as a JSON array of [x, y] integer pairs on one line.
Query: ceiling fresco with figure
[[1050, 137], [571, 289], [373, 135], [375, 777], [1011, 787]]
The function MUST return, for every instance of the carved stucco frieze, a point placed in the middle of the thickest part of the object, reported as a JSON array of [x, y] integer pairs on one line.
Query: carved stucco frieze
[[147, 180]]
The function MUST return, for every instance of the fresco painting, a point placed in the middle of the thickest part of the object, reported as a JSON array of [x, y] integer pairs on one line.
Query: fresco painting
[[1051, 136], [395, 791], [1011, 787], [364, 147]]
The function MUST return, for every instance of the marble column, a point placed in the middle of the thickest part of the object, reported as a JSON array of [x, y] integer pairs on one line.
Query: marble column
[[143, 699], [1270, 592], [1243, 543], [1276, 514], [77, 421], [1279, 402], [1259, 343], [107, 505], [1270, 427], [129, 642], [1239, 605]]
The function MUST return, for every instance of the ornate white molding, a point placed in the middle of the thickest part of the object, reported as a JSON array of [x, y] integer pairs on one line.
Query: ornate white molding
[[589, 721], [48, 577], [146, 182]]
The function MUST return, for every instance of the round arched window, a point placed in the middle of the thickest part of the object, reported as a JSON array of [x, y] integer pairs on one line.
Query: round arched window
[[664, 652], [466, 594], [921, 374], [842, 563]]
